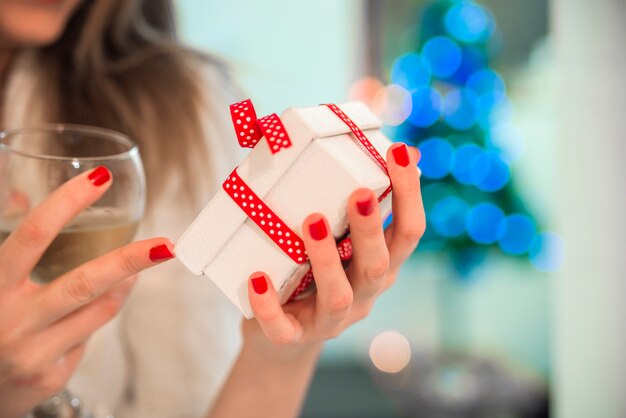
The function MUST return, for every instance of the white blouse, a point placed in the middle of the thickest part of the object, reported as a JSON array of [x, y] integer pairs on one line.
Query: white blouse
[[169, 350]]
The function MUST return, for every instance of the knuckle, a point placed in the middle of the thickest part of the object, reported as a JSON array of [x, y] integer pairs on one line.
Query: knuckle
[[413, 233], [128, 262], [377, 268], [340, 304], [81, 288], [333, 333], [110, 306], [282, 338], [31, 234]]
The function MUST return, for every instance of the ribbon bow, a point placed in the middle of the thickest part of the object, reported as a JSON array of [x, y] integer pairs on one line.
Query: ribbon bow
[[250, 130]]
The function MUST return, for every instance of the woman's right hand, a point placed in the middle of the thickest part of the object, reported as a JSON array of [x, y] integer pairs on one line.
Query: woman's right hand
[[43, 328]]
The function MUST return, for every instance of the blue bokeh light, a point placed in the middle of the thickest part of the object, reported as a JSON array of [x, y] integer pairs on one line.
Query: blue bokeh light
[[464, 169], [547, 252], [517, 233], [443, 55], [459, 109], [483, 222], [410, 71], [426, 104], [468, 22], [498, 173], [437, 158], [494, 109], [486, 81], [448, 216]]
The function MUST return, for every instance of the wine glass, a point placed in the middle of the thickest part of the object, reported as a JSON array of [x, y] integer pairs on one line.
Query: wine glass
[[36, 161]]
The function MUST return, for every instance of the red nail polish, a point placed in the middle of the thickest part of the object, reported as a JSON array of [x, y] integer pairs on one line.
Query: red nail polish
[[99, 176], [365, 207], [318, 230], [259, 284], [401, 155], [160, 253]]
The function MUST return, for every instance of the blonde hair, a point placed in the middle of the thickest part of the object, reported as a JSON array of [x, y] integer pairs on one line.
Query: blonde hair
[[118, 65]]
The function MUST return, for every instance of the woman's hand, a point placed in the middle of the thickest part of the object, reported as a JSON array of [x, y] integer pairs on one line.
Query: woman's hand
[[43, 329], [344, 296]]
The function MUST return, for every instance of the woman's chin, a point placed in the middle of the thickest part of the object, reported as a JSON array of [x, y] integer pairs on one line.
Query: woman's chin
[[22, 24]]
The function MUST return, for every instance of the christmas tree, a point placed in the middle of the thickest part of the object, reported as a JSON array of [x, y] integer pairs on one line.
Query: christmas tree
[[460, 119]]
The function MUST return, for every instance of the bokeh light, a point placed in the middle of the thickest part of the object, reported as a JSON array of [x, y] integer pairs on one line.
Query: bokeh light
[[493, 109], [437, 158], [410, 71], [466, 167], [517, 233], [426, 107], [448, 216], [498, 173], [365, 90], [390, 351], [485, 81], [442, 55], [459, 108], [483, 221], [468, 22], [547, 252], [393, 104]]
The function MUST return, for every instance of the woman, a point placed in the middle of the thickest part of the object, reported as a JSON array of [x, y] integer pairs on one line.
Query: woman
[[174, 349]]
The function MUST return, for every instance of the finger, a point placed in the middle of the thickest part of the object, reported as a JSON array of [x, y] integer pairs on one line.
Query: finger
[[409, 221], [75, 328], [334, 293], [278, 327], [370, 259], [415, 154], [91, 280], [20, 252], [17, 205]]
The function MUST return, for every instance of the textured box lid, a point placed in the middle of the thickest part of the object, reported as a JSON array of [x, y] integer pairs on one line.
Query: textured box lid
[[204, 238]]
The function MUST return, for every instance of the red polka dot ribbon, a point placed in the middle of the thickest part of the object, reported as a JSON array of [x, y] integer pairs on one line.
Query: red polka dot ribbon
[[250, 130], [245, 123], [364, 142], [264, 217], [274, 132]]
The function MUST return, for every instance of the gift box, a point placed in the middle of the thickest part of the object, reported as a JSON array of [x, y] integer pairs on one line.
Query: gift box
[[307, 160]]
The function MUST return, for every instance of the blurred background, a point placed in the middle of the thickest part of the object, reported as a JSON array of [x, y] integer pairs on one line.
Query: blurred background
[[511, 306]]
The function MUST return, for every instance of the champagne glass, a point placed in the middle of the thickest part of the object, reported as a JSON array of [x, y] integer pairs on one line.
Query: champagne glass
[[36, 161]]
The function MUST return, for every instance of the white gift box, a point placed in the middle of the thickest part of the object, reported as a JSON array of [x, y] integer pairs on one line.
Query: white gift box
[[318, 173]]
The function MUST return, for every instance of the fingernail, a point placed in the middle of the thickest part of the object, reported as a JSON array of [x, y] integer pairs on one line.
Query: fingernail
[[160, 253], [259, 284], [365, 207], [318, 230], [401, 155], [419, 155], [99, 176]]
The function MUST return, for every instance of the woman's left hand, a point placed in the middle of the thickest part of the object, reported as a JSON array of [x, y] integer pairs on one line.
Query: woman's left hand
[[344, 296]]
